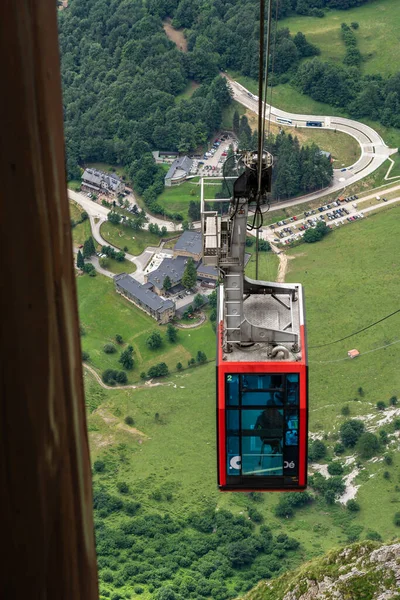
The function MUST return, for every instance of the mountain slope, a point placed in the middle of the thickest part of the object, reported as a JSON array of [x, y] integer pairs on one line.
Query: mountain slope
[[359, 572]]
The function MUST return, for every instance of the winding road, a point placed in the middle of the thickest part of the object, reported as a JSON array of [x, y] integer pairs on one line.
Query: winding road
[[374, 151]]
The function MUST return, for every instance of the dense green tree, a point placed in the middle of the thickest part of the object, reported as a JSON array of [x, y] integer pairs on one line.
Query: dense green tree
[[172, 333], [126, 358], [109, 349], [350, 431], [201, 357], [114, 217], [189, 277], [167, 283], [154, 341], [79, 260], [367, 445], [87, 249]]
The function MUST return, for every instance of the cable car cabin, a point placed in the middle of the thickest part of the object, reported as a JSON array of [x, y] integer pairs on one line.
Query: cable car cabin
[[261, 352], [262, 398]]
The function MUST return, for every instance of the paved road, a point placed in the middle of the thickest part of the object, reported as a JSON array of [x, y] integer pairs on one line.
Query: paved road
[[374, 151]]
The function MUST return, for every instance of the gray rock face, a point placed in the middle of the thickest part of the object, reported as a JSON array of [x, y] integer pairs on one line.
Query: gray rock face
[[360, 571]]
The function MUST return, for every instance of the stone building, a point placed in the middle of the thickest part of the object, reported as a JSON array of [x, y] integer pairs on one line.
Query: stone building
[[142, 296], [103, 183]]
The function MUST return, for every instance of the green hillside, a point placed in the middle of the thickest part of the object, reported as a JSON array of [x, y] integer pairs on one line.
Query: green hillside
[[377, 35], [163, 456], [361, 572]]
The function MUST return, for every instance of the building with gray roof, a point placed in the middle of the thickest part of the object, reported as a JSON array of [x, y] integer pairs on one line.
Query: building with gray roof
[[98, 181], [189, 244], [173, 267], [178, 171], [160, 309]]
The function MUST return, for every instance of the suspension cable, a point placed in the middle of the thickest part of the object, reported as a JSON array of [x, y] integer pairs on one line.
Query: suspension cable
[[273, 65]]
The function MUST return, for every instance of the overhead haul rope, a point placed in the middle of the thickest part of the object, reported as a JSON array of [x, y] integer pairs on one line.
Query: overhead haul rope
[[273, 65], [262, 96], [356, 332]]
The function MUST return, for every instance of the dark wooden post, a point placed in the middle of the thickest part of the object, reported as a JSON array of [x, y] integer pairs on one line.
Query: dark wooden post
[[46, 523]]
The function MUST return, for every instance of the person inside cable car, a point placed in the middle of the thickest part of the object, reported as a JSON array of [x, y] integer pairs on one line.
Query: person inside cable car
[[269, 425]]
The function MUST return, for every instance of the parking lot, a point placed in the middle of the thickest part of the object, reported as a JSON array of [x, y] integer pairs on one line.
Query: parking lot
[[339, 212], [214, 159]]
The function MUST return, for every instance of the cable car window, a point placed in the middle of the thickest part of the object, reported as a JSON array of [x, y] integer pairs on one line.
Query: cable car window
[[232, 390], [262, 425], [261, 382], [292, 389], [260, 399]]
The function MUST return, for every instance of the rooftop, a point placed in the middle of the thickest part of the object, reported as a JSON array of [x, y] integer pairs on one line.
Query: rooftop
[[190, 241], [142, 293], [173, 267], [184, 163]]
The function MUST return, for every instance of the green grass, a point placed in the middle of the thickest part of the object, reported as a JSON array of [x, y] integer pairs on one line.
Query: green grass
[[350, 279], [395, 172], [74, 185], [120, 267], [377, 35], [135, 241], [268, 263], [104, 313], [176, 198], [227, 114], [80, 232]]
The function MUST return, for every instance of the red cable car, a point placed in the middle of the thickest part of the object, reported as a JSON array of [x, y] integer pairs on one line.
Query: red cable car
[[262, 405], [262, 414]]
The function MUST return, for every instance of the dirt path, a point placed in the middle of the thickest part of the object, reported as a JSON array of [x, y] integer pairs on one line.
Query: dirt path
[[192, 325], [175, 35], [125, 387], [283, 262]]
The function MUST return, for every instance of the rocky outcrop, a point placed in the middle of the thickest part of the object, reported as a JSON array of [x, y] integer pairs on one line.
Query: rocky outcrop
[[364, 571]]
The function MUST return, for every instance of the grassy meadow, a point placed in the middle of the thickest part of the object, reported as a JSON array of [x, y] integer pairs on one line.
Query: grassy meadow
[[104, 313], [377, 36], [135, 241]]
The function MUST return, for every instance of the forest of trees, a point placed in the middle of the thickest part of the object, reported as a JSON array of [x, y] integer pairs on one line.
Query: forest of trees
[[205, 554], [231, 30], [297, 169], [121, 76]]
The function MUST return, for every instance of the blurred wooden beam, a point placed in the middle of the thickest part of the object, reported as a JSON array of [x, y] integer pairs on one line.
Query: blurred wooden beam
[[45, 478]]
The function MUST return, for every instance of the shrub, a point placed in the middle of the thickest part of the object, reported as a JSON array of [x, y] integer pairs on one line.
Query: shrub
[[104, 262], [118, 339], [350, 431], [352, 506], [85, 356], [99, 466], [396, 424], [122, 487], [255, 515], [380, 405], [345, 410], [373, 535], [111, 376], [138, 589], [109, 349], [396, 519], [354, 25], [393, 401], [368, 445], [388, 459], [339, 448], [179, 366], [335, 468], [160, 370], [143, 375], [201, 357], [126, 358], [316, 451], [386, 475], [129, 420], [107, 575], [383, 436]]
